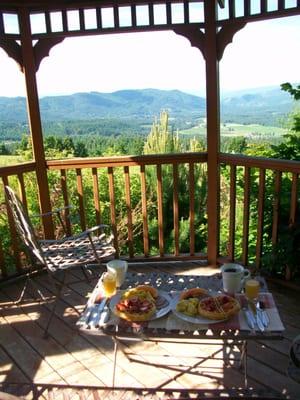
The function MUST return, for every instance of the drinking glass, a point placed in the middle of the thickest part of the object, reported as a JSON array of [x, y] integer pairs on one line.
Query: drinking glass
[[120, 268], [252, 287], [109, 283]]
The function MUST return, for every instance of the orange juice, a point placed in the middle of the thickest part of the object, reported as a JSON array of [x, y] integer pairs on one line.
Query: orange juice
[[109, 283], [252, 289]]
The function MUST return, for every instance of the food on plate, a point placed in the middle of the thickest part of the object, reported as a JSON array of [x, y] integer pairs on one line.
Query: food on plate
[[189, 300], [218, 307], [136, 305], [188, 306], [140, 293], [152, 290], [194, 292]]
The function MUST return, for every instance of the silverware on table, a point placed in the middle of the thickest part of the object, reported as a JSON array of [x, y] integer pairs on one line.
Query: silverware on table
[[260, 307], [249, 318], [85, 316], [253, 310], [95, 315]]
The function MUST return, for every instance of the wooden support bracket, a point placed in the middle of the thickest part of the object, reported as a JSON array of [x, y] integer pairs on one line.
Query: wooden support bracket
[[43, 47], [13, 49], [194, 35], [225, 36]]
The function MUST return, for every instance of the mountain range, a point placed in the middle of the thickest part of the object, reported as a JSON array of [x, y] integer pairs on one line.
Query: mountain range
[[268, 104]]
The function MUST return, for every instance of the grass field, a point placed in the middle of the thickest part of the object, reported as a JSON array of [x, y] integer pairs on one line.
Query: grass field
[[10, 160], [231, 129]]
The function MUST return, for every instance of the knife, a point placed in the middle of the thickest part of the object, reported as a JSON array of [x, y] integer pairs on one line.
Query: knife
[[95, 315], [85, 316], [256, 316], [249, 318]]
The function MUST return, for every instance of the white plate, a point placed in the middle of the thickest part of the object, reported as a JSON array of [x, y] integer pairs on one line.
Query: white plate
[[194, 320], [158, 314]]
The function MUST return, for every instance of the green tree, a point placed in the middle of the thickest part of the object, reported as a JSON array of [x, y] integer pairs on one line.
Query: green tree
[[289, 149], [3, 150]]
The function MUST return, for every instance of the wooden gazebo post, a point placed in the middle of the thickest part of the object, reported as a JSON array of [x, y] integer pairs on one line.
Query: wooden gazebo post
[[213, 129], [34, 117]]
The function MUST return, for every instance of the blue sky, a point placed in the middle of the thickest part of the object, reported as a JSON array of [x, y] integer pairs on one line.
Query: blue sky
[[262, 54]]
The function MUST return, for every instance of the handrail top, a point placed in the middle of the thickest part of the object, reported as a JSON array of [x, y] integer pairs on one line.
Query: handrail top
[[130, 160], [155, 159]]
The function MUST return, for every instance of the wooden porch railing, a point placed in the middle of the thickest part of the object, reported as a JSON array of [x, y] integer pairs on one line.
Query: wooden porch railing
[[146, 224]]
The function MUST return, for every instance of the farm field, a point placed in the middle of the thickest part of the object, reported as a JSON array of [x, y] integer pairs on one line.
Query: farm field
[[10, 160], [233, 129]]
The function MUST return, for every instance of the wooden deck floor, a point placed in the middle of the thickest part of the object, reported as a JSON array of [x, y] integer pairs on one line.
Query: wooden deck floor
[[68, 360]]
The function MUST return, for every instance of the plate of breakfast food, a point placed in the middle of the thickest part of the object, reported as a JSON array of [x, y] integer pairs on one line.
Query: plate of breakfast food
[[199, 306], [142, 303]]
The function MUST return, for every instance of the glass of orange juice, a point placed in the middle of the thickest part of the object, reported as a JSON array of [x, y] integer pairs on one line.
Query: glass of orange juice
[[252, 287], [109, 283]]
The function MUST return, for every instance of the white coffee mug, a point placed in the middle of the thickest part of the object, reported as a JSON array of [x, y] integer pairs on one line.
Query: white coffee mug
[[234, 277], [120, 267]]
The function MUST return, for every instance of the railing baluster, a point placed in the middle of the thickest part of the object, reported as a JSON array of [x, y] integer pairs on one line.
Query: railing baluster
[[276, 206], [260, 216], [81, 19], [192, 207], [151, 14], [80, 198], [247, 178], [186, 12], [231, 9], [99, 18], [48, 22], [232, 207], [144, 211], [263, 6], [133, 15], [116, 17], [294, 198], [246, 8], [64, 20], [160, 211], [281, 4], [1, 23], [129, 214], [96, 196], [64, 189], [175, 209], [168, 14], [111, 186]]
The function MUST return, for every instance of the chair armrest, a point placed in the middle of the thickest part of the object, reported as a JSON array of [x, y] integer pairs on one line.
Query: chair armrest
[[89, 231], [86, 233], [56, 211]]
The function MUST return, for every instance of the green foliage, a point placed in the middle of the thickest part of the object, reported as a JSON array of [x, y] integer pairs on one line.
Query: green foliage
[[4, 151], [294, 92]]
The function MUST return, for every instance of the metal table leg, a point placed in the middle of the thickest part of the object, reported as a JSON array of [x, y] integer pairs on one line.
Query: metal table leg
[[243, 361], [115, 339]]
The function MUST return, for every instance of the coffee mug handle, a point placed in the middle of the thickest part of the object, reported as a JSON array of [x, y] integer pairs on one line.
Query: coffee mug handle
[[247, 275]]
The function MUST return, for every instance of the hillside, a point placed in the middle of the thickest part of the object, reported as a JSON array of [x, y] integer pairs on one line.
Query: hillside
[[270, 103]]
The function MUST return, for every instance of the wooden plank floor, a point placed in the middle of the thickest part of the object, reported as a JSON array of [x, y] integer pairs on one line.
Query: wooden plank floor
[[68, 360]]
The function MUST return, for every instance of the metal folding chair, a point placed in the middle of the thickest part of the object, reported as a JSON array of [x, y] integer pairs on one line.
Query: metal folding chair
[[59, 255]]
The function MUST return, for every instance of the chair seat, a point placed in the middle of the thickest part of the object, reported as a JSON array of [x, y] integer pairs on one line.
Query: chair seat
[[71, 252]]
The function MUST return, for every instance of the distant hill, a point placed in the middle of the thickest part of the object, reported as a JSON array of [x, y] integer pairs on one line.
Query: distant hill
[[264, 105], [121, 104]]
